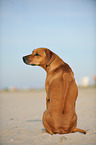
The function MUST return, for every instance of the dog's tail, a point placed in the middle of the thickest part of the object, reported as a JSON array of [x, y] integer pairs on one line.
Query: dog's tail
[[79, 130]]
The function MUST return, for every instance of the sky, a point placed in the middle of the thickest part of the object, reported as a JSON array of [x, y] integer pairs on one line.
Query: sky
[[67, 27]]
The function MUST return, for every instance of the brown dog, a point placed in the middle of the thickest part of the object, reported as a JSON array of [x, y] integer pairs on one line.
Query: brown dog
[[60, 116]]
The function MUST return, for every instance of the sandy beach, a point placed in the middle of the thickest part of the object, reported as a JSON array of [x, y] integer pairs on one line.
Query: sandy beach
[[21, 119]]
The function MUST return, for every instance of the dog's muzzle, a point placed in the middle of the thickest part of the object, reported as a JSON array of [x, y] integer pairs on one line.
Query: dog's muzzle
[[25, 59]]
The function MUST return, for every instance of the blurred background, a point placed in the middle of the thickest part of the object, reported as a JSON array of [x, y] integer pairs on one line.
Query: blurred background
[[67, 27]]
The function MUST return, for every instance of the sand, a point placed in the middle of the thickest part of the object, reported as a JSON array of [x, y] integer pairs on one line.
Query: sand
[[21, 119]]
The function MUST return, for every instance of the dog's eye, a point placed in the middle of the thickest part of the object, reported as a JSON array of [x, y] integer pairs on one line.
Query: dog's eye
[[37, 54]]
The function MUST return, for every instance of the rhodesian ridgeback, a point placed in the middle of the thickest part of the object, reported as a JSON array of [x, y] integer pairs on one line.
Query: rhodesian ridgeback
[[60, 116]]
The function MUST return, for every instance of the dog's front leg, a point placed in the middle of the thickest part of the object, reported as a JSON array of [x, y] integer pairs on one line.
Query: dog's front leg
[[47, 102], [47, 92]]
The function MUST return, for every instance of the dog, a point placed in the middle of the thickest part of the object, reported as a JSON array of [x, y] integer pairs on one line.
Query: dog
[[62, 91]]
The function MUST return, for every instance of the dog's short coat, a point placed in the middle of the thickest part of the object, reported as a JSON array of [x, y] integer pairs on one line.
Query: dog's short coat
[[60, 116]]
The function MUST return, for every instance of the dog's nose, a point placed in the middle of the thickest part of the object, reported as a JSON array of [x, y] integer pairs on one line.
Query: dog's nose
[[25, 59]]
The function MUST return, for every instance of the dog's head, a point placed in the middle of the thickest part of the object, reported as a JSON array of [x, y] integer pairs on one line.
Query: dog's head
[[40, 57]]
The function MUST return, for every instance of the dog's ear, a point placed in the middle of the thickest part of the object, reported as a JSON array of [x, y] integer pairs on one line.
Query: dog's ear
[[50, 56]]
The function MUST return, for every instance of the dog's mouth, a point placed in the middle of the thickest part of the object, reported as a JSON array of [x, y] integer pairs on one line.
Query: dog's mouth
[[33, 64]]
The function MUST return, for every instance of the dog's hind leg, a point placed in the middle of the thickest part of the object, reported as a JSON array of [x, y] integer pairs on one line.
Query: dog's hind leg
[[45, 123]]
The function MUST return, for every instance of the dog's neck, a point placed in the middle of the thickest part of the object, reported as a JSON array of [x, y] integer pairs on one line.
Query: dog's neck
[[57, 64], [53, 65], [48, 65]]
